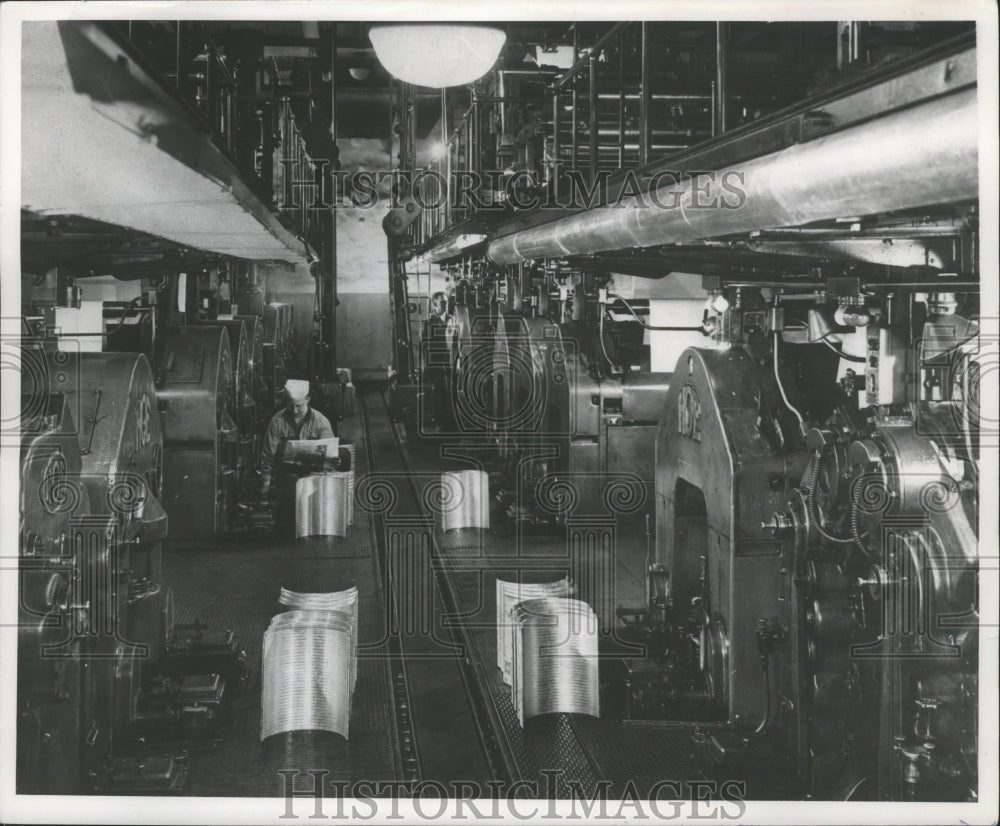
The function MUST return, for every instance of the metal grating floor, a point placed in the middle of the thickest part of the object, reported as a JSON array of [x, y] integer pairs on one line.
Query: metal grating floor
[[580, 750], [237, 587]]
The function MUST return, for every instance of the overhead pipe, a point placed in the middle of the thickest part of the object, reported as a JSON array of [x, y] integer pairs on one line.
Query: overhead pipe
[[583, 155], [453, 247], [654, 96], [923, 155], [528, 72], [656, 133]]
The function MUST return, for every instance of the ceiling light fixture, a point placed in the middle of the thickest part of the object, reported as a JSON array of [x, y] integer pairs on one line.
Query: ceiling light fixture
[[437, 55]]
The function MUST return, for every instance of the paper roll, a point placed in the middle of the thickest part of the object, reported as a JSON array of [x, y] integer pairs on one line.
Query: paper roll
[[508, 595], [465, 500], [307, 673], [308, 604], [321, 506], [666, 346], [555, 658]]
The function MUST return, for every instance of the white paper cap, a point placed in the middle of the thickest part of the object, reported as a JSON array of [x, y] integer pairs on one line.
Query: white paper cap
[[297, 388]]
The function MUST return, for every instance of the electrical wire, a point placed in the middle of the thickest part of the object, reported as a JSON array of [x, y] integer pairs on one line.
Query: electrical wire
[[763, 406], [600, 335], [777, 379], [851, 791], [635, 315], [767, 694], [840, 353], [121, 322]]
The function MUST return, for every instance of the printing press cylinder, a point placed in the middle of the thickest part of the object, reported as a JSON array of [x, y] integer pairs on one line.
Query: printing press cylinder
[[287, 314], [610, 422], [109, 586], [255, 336], [275, 356], [282, 317], [193, 370], [474, 396], [549, 396], [251, 300], [242, 400], [52, 496], [121, 442], [530, 372]]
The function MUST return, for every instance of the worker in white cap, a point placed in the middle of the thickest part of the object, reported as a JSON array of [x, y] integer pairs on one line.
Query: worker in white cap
[[297, 420]]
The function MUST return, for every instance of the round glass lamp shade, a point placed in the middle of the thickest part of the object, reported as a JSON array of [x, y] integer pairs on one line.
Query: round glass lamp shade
[[437, 55]]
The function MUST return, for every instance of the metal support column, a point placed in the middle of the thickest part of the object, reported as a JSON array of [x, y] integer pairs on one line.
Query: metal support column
[[644, 97], [555, 145], [850, 43], [621, 101], [593, 117], [573, 98], [329, 310], [721, 49], [573, 131], [476, 148], [444, 160]]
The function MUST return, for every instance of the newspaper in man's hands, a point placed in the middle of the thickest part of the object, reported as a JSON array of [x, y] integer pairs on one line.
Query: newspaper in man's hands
[[311, 454]]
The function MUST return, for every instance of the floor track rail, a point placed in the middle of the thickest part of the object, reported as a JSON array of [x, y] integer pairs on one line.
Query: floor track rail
[[405, 744], [510, 761], [503, 763]]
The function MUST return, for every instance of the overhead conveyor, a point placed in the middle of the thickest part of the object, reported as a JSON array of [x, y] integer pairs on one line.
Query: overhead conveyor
[[135, 156]]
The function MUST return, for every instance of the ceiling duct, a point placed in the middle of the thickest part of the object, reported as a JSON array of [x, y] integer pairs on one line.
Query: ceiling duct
[[915, 157]]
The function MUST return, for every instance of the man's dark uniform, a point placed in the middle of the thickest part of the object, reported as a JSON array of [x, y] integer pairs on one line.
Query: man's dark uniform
[[438, 379], [280, 430]]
